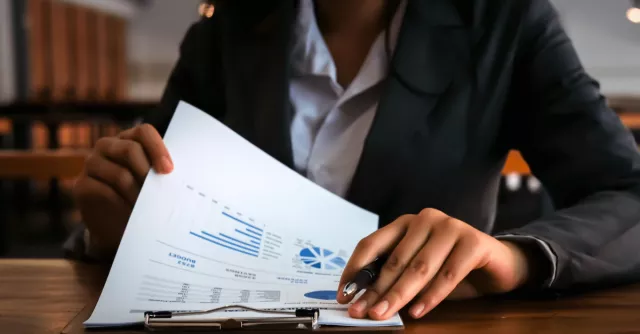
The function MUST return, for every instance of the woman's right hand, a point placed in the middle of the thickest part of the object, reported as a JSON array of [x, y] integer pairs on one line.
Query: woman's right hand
[[111, 181]]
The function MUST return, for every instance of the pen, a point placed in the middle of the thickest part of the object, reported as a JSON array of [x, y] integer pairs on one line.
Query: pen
[[365, 277]]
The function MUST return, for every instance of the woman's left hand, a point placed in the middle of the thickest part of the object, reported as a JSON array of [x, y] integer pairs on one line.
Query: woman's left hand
[[432, 257]]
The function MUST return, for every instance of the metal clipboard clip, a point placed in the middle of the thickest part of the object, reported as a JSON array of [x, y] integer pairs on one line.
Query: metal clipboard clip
[[299, 319]]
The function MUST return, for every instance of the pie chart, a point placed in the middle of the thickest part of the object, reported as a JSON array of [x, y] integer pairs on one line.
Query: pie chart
[[321, 258]]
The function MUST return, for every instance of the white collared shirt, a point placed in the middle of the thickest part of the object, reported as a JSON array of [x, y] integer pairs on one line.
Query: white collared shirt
[[331, 122]]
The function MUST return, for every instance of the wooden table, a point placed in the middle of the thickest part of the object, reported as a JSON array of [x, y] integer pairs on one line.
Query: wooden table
[[54, 296]]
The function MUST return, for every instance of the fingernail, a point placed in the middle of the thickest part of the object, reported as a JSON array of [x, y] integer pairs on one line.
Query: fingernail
[[381, 308], [166, 165], [417, 309], [360, 306]]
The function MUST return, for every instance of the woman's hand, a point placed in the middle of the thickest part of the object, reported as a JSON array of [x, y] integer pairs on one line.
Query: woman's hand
[[432, 257], [113, 175]]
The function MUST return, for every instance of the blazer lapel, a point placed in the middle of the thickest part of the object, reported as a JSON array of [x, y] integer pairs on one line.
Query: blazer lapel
[[256, 58], [432, 48]]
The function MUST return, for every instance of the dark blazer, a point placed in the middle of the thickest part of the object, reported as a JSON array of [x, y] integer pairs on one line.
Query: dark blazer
[[469, 81]]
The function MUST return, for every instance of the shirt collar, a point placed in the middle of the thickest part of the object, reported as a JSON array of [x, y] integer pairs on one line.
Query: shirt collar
[[310, 55]]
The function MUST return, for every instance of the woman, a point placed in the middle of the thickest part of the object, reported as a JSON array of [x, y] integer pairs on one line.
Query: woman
[[408, 109]]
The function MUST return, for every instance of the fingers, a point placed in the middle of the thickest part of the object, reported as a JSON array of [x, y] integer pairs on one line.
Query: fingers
[[360, 308], [127, 153], [434, 253], [369, 248], [89, 190], [396, 263], [420, 270], [117, 177], [153, 146], [112, 179], [464, 258]]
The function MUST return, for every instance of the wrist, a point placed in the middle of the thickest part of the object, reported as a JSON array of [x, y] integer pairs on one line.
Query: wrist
[[529, 265], [521, 266]]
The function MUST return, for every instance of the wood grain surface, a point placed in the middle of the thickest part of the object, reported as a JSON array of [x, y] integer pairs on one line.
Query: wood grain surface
[[54, 296], [43, 296]]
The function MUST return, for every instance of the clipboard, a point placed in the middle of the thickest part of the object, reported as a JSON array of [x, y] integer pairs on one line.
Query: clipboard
[[156, 324], [299, 319]]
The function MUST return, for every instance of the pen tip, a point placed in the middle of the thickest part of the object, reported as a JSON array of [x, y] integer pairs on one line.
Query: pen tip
[[349, 289]]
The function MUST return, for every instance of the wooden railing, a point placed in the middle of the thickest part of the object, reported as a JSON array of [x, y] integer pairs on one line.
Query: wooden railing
[[41, 164]]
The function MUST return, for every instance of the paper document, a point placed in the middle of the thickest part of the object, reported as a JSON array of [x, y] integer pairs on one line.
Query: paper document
[[230, 225]]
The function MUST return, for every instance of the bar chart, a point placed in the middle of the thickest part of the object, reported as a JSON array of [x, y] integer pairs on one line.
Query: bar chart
[[244, 237], [212, 224]]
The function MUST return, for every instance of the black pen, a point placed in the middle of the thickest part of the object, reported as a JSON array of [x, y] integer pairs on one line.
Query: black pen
[[365, 277]]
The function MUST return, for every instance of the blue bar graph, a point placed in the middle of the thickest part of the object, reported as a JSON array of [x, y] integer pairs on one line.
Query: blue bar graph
[[248, 235], [229, 242], [242, 222], [223, 245], [244, 240], [254, 232], [238, 241]]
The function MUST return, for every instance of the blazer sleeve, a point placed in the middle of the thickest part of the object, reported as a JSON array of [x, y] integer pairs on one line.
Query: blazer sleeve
[[585, 157]]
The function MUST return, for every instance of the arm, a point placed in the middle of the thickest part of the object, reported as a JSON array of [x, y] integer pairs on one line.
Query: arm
[[583, 155]]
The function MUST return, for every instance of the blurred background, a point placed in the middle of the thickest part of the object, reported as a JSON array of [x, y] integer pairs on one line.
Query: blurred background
[[72, 71]]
